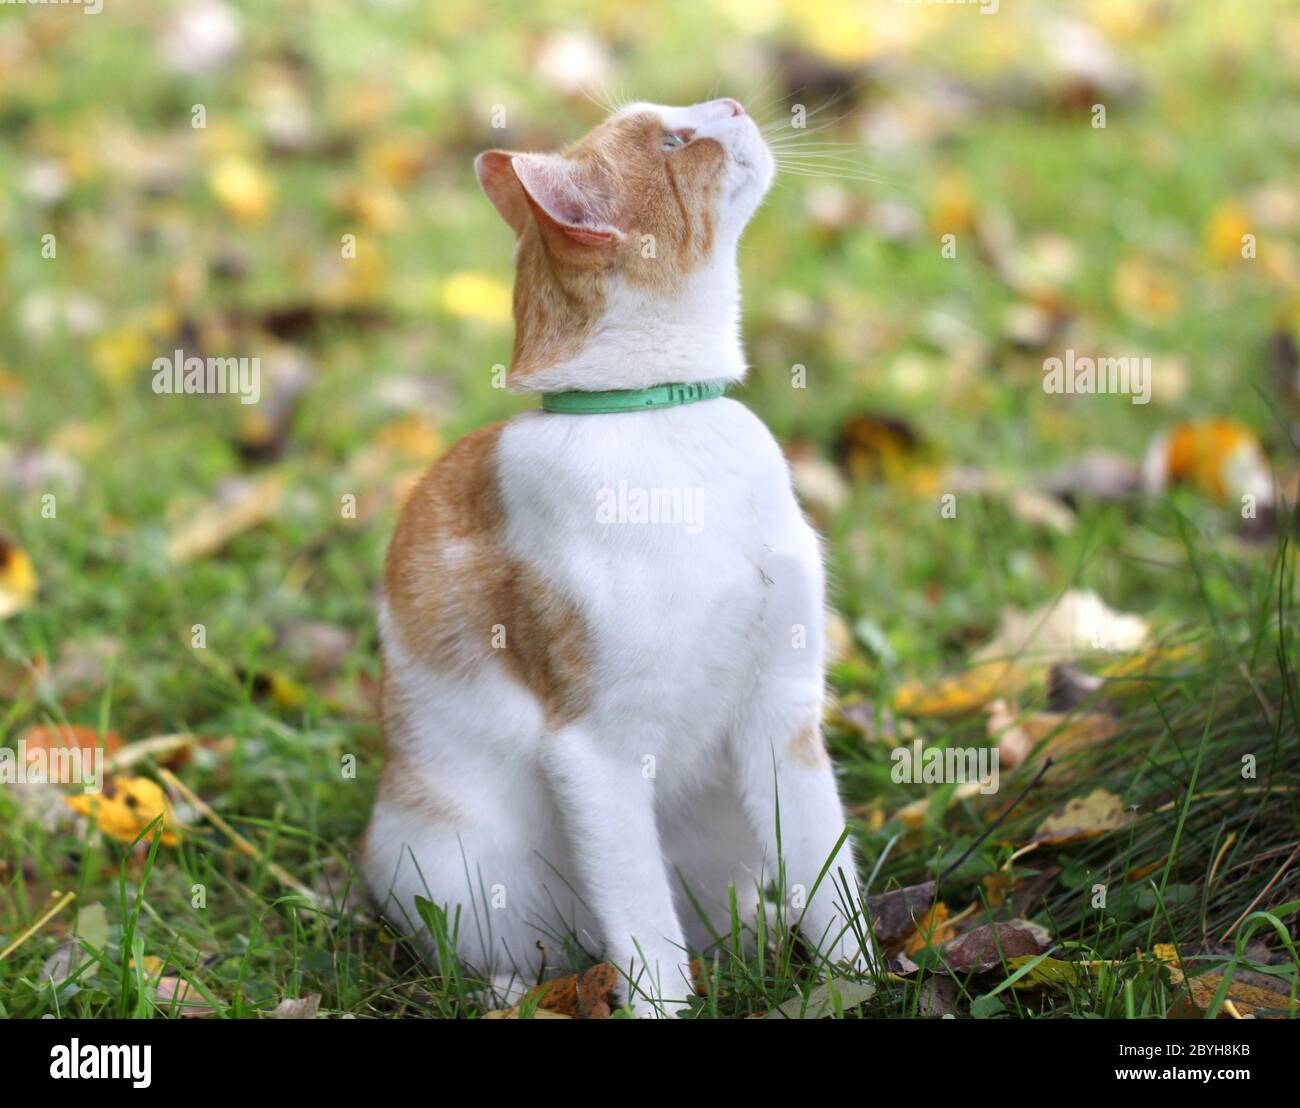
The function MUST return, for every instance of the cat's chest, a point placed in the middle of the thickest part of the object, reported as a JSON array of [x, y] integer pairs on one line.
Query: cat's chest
[[663, 498], [667, 529]]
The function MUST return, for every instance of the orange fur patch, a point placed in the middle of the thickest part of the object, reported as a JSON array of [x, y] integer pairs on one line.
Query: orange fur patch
[[458, 598], [806, 747]]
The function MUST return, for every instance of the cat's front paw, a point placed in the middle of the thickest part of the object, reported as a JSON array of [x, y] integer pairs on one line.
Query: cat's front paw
[[659, 995]]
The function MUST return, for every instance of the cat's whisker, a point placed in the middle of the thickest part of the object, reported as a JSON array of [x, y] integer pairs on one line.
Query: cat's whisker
[[814, 147], [805, 132], [830, 171], [764, 97], [597, 96]]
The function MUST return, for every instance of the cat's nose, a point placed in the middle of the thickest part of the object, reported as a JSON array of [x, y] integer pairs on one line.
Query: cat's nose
[[733, 106]]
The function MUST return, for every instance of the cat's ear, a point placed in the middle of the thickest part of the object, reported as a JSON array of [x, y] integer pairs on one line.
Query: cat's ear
[[503, 188], [545, 188]]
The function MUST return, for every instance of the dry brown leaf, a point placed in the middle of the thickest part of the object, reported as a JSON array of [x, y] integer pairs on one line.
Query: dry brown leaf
[[1017, 737], [986, 946], [580, 996], [1246, 999], [70, 736], [296, 1008], [513, 1014], [178, 997], [893, 914]]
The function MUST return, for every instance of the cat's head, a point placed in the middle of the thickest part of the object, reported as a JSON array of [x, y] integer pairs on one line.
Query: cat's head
[[625, 260]]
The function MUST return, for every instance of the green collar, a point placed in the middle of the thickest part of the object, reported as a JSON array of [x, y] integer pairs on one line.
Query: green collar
[[631, 400]]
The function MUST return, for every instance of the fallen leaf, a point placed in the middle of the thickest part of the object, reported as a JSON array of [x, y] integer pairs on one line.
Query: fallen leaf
[[1076, 622], [1225, 232], [932, 929], [126, 807], [1053, 973], [965, 692], [986, 946], [1246, 999], [178, 997], [18, 582], [118, 355], [514, 1013], [1144, 289], [937, 996], [893, 914], [1084, 817], [478, 297], [296, 1008], [826, 999], [587, 995], [224, 519], [243, 189], [1221, 458], [282, 691], [872, 446], [70, 736], [1018, 736], [165, 750]]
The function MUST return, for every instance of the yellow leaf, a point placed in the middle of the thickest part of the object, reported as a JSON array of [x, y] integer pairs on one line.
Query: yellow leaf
[[1145, 291], [126, 807], [931, 929], [244, 190], [376, 207], [218, 523], [952, 207], [1241, 999], [1054, 973], [18, 581], [470, 295], [965, 692], [1084, 817], [117, 355], [1224, 231]]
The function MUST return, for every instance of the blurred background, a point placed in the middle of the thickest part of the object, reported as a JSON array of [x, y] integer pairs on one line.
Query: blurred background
[[293, 181]]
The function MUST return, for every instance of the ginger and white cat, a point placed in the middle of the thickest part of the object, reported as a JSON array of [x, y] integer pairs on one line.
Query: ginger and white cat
[[588, 712]]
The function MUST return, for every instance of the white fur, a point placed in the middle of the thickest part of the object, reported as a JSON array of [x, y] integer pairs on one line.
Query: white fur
[[706, 652]]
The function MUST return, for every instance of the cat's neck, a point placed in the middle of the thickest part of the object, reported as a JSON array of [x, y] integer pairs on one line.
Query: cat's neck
[[643, 340]]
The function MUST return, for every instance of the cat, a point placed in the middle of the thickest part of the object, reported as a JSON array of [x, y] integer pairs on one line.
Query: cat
[[592, 704]]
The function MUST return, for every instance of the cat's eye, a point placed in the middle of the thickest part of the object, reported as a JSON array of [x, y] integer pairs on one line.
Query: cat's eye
[[672, 141]]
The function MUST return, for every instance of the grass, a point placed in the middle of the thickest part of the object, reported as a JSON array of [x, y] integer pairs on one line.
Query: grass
[[1205, 863]]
